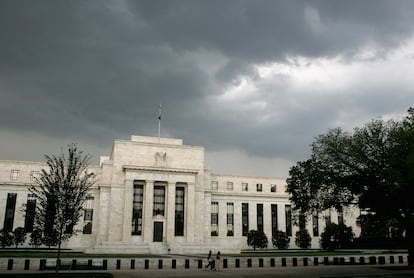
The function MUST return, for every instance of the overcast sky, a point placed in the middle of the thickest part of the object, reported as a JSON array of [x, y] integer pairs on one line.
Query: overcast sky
[[252, 81]]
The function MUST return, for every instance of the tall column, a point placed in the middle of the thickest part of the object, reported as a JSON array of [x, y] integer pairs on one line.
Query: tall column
[[170, 211], [281, 217], [267, 219], [222, 218], [148, 205], [252, 216], [128, 198], [190, 212], [103, 215]]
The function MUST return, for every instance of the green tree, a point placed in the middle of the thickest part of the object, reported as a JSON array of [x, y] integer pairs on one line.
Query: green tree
[[370, 168], [19, 236], [280, 240], [60, 192], [303, 239], [336, 236], [257, 239], [6, 238]]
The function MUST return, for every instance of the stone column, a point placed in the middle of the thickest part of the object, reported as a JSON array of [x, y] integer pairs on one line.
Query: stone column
[[103, 215], [190, 208], [281, 217], [170, 210], [267, 220], [207, 218], [222, 218], [128, 198], [252, 216], [237, 219], [148, 205]]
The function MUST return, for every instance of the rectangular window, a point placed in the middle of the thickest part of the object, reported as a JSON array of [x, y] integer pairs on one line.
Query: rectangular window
[[229, 186], [245, 186], [30, 213], [214, 218], [88, 215], [159, 200], [245, 219], [288, 216], [214, 185], [273, 188], [230, 219], [259, 217], [302, 222], [9, 215], [14, 175], [179, 211], [34, 175], [273, 208], [137, 205], [259, 187], [340, 217], [315, 224], [327, 217]]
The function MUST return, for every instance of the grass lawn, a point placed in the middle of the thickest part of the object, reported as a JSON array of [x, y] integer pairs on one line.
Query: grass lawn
[[49, 254], [296, 254], [65, 275]]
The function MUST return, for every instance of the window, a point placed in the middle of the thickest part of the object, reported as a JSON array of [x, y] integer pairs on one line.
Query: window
[[327, 217], [30, 213], [273, 188], [137, 204], [214, 218], [159, 200], [214, 185], [259, 217], [34, 175], [288, 216], [88, 215], [315, 224], [14, 175], [273, 208], [259, 187], [179, 211], [230, 219], [9, 215], [302, 222], [230, 186], [245, 219], [245, 186], [340, 217]]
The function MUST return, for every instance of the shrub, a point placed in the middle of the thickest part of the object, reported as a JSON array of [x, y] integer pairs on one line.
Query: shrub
[[336, 236], [19, 236], [257, 239], [280, 240], [36, 238], [6, 238], [303, 239]]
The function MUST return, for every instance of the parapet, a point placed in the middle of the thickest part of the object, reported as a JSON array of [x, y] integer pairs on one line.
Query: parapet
[[156, 140]]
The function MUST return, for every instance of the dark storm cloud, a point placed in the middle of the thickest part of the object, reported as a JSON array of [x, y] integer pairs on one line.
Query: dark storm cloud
[[97, 70]]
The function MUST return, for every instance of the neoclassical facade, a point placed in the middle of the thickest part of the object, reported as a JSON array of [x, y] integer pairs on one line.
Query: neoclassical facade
[[155, 195]]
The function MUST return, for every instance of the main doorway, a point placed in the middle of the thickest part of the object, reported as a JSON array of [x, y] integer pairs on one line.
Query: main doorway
[[158, 231]]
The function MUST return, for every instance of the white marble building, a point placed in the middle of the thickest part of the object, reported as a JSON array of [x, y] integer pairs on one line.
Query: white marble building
[[155, 195]]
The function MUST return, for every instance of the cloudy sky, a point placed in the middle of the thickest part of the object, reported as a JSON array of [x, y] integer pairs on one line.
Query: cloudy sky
[[252, 81]]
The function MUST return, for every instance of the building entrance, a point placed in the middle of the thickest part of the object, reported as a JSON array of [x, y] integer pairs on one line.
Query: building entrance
[[158, 231]]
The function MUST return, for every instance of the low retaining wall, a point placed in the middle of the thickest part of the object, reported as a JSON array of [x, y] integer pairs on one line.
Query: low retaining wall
[[193, 263]]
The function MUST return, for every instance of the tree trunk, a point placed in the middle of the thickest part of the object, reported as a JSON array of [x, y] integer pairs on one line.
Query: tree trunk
[[58, 254]]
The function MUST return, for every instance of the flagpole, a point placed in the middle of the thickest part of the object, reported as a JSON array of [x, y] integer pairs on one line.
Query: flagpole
[[159, 124]]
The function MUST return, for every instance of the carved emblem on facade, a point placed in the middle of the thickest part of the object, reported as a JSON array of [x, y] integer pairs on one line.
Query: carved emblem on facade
[[161, 158]]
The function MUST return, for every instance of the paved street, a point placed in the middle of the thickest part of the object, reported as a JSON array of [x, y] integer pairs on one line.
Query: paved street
[[365, 271]]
